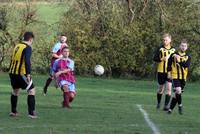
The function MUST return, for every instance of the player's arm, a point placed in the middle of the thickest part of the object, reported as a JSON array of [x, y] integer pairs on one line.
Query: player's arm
[[55, 49], [69, 68], [169, 66], [65, 71], [27, 53], [55, 66], [55, 69], [54, 55], [185, 63], [156, 56]]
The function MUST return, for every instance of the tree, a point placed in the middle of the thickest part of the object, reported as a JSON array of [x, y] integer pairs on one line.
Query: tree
[[122, 40]]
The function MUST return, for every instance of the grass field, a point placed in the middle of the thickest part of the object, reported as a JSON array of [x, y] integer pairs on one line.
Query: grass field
[[102, 106]]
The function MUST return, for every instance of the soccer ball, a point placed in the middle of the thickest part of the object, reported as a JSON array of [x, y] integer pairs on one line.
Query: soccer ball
[[98, 70]]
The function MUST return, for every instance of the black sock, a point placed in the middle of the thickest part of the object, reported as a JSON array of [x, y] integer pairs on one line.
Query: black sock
[[173, 103], [31, 104], [13, 100], [179, 99], [167, 99], [47, 84], [159, 96]]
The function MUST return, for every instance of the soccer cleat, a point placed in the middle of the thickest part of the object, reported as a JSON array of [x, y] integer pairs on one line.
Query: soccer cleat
[[165, 108], [13, 114], [44, 91], [44, 94], [56, 85], [158, 106], [169, 111], [32, 116], [65, 105], [180, 110]]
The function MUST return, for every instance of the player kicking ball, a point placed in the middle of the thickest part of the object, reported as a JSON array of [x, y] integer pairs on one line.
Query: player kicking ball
[[178, 65], [63, 71]]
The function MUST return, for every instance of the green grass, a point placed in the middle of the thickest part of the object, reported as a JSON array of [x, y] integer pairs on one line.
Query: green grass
[[101, 106], [50, 13]]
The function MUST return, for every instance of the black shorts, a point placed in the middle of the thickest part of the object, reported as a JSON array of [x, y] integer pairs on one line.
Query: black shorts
[[162, 78], [179, 83], [19, 81]]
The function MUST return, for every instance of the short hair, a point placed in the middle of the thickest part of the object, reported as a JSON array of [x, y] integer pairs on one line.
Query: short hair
[[63, 34], [65, 48], [28, 36], [184, 41], [167, 35]]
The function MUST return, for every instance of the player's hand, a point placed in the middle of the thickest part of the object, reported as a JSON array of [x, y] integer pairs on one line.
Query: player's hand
[[60, 56], [57, 74], [169, 76], [28, 78], [177, 57], [165, 58]]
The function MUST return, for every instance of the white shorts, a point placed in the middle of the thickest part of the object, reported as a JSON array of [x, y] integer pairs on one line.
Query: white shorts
[[71, 86]]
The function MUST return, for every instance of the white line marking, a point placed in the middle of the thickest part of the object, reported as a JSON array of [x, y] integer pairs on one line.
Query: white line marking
[[147, 119]]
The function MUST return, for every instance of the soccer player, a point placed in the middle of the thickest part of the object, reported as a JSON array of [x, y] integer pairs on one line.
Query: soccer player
[[161, 57], [64, 72], [20, 74], [178, 65], [56, 54]]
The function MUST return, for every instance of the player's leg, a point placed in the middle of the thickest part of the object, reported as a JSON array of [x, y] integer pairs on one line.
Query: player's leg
[[179, 99], [14, 94], [159, 95], [180, 90], [72, 91], [71, 96], [48, 81], [31, 103], [168, 94], [29, 86], [174, 100], [172, 104], [160, 90], [65, 90], [14, 100]]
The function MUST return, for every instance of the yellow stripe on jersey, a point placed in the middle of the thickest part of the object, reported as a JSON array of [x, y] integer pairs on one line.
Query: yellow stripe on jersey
[[177, 71], [162, 66], [17, 65]]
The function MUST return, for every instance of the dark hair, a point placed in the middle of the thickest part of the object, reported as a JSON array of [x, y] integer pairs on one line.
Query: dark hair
[[65, 48], [184, 41], [28, 36], [63, 34]]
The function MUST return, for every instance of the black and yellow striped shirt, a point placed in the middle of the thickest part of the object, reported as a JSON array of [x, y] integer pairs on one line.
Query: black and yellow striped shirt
[[161, 53], [179, 68], [20, 60]]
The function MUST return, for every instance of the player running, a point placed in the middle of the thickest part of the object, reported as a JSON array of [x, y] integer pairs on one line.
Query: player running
[[56, 54], [178, 65], [64, 72], [161, 57]]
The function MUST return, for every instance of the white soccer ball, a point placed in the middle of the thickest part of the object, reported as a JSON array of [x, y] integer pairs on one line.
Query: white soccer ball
[[98, 69]]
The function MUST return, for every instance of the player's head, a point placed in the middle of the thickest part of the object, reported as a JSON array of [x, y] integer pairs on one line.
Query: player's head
[[166, 39], [28, 37], [65, 52], [184, 45], [63, 38]]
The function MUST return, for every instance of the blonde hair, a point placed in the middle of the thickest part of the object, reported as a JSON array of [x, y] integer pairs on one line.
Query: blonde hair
[[167, 35]]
